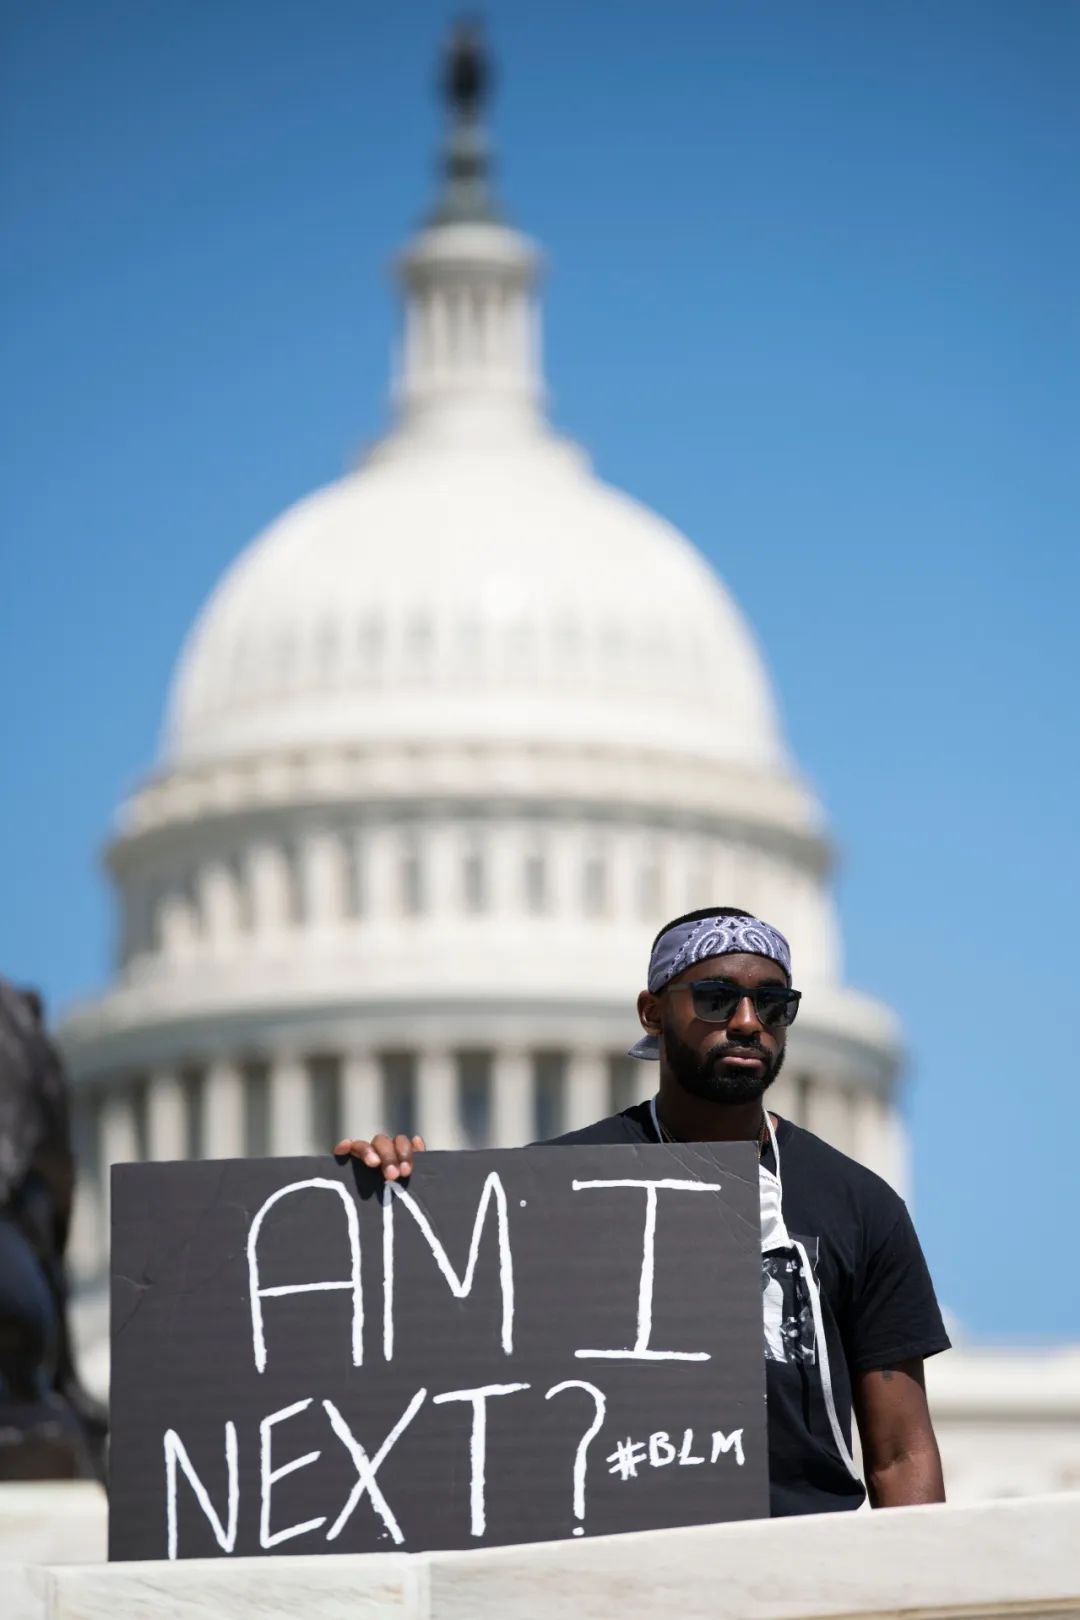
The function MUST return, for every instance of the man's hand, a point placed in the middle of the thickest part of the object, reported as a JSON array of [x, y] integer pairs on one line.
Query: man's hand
[[392, 1154], [900, 1453]]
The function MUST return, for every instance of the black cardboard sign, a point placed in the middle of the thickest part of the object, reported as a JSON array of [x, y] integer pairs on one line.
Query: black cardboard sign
[[510, 1346]]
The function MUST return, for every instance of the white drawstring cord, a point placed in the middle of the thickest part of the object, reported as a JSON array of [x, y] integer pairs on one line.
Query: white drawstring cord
[[823, 1359]]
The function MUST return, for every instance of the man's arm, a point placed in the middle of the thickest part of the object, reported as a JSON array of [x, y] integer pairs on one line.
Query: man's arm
[[900, 1453]]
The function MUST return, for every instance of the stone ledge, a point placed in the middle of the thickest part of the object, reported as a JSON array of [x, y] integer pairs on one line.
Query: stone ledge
[[1015, 1558], [53, 1522]]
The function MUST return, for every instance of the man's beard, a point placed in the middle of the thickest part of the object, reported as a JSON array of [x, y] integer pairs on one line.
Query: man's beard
[[703, 1074]]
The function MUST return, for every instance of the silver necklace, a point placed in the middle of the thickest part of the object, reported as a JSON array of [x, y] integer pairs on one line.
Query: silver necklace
[[762, 1137]]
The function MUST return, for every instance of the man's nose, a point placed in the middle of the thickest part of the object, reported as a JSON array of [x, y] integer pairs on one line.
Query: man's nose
[[744, 1020]]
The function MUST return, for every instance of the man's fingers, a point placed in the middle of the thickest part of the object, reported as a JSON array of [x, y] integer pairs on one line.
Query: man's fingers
[[392, 1155], [357, 1148], [404, 1149], [387, 1156]]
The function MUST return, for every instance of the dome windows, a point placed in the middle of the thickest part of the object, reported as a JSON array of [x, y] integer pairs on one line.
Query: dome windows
[[594, 881], [295, 885], [371, 644], [326, 648], [255, 1094], [243, 906], [474, 1097], [419, 648], [353, 895], [411, 885], [324, 1099], [535, 881], [399, 1088], [650, 885], [474, 876], [468, 663], [549, 1094]]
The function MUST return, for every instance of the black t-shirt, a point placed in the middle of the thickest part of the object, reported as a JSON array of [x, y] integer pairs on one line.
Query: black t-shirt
[[877, 1303]]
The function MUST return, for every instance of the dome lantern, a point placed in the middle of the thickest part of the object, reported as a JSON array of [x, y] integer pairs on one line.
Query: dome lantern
[[466, 197], [470, 366]]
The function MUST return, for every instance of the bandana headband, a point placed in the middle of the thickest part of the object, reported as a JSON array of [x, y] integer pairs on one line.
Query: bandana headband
[[685, 943]]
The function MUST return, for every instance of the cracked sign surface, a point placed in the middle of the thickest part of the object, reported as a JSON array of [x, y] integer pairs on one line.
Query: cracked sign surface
[[510, 1346]]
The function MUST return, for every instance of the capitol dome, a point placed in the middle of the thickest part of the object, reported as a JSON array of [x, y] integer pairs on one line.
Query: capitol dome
[[508, 596], [447, 745]]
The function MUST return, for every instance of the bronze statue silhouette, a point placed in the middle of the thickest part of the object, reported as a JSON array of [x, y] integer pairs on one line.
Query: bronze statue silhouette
[[49, 1426]]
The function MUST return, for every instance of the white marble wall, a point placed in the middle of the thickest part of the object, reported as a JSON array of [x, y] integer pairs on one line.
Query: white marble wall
[[52, 1522], [1002, 1559]]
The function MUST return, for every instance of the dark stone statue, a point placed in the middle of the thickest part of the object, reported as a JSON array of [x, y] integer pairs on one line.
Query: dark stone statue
[[50, 1428]]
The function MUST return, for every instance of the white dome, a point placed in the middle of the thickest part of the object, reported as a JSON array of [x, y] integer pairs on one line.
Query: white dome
[[466, 592]]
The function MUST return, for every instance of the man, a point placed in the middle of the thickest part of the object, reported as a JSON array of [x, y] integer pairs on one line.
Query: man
[[849, 1308]]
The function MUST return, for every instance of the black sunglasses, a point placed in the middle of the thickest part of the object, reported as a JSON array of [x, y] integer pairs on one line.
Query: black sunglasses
[[715, 1001]]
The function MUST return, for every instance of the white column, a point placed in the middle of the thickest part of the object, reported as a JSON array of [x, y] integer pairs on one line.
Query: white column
[[87, 1251], [166, 1122], [722, 866], [119, 1142], [879, 1139], [828, 1113], [672, 851], [290, 1109], [439, 327], [783, 1097], [746, 886], [219, 902], [587, 1090], [866, 1142], [439, 1115], [513, 1122], [488, 329], [86, 1245], [645, 883], [324, 877], [223, 1111], [177, 926], [383, 851], [566, 861], [361, 1094], [443, 857], [507, 848], [786, 903], [269, 888], [624, 879], [897, 1164], [699, 873], [139, 920]]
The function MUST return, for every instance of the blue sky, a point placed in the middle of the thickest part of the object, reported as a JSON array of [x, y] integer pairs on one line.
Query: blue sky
[[812, 296]]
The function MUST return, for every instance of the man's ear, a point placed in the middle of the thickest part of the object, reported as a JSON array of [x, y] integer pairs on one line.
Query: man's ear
[[648, 1011]]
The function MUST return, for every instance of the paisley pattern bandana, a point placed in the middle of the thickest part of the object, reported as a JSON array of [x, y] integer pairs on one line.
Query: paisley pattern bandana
[[683, 944]]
